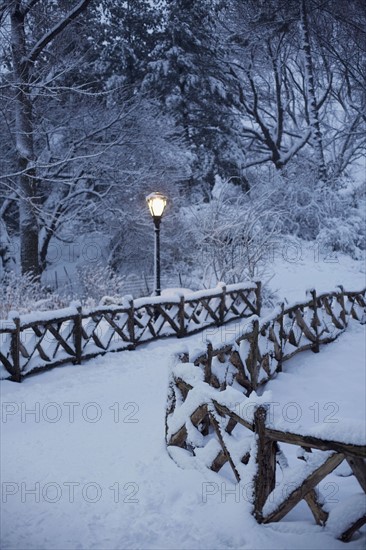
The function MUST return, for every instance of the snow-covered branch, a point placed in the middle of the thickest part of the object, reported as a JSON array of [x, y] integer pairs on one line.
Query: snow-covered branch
[[57, 29]]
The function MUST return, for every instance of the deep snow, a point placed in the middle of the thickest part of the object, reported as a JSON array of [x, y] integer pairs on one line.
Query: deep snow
[[94, 453]]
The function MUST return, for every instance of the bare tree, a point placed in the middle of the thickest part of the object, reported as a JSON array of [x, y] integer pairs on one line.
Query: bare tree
[[298, 84], [25, 55], [313, 107]]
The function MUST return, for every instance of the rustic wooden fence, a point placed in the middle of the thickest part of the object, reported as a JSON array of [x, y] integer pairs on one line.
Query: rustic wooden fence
[[39, 341], [209, 393], [259, 353], [214, 425]]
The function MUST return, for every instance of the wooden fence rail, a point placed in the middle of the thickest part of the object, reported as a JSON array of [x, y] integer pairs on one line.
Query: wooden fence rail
[[39, 341], [259, 353], [208, 395]]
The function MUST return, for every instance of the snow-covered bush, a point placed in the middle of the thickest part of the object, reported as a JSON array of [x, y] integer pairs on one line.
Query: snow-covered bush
[[97, 282], [230, 235], [348, 236], [24, 294], [331, 214]]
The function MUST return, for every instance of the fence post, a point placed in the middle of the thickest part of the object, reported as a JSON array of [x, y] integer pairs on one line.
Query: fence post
[[208, 364], [253, 355], [258, 295], [78, 336], [181, 317], [131, 321], [265, 478], [282, 338], [15, 351], [341, 302], [222, 304], [315, 321]]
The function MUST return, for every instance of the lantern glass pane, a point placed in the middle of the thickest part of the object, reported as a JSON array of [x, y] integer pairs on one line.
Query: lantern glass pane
[[157, 206], [157, 203]]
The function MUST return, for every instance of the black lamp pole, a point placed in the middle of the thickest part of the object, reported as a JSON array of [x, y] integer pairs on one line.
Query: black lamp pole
[[157, 256], [157, 203]]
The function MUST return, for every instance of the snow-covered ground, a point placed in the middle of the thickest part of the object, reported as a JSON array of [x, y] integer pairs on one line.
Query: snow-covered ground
[[83, 458], [295, 266], [324, 395]]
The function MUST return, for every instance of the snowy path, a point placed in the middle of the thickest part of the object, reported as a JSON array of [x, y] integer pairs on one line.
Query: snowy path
[[143, 500], [83, 445]]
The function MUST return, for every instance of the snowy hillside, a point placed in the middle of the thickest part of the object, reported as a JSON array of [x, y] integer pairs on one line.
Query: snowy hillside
[[84, 462]]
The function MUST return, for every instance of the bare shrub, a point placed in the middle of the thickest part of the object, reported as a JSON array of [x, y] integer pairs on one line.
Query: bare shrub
[[97, 282], [232, 235], [24, 294]]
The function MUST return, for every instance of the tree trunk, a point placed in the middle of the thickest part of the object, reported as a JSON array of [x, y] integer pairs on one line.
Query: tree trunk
[[7, 262], [28, 223], [7, 253], [310, 91]]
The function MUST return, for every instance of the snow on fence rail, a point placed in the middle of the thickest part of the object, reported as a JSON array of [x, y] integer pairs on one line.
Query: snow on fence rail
[[42, 340], [266, 343], [217, 434], [211, 419]]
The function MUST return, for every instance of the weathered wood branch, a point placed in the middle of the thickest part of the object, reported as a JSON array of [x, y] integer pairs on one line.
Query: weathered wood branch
[[358, 467], [300, 492]]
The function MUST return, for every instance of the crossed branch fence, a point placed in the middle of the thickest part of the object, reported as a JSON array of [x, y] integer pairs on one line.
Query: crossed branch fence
[[266, 343], [207, 412], [199, 417], [40, 341]]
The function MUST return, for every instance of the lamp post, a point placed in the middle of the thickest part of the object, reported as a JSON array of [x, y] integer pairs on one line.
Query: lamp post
[[157, 203]]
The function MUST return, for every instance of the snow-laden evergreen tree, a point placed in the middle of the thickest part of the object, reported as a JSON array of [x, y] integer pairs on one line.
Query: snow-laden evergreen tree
[[187, 74], [121, 36]]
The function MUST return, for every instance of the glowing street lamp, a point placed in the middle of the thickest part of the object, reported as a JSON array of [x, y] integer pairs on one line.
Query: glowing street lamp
[[157, 203]]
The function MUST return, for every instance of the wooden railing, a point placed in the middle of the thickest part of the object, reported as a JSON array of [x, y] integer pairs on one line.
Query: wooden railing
[[218, 428], [259, 353], [209, 405], [39, 341]]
